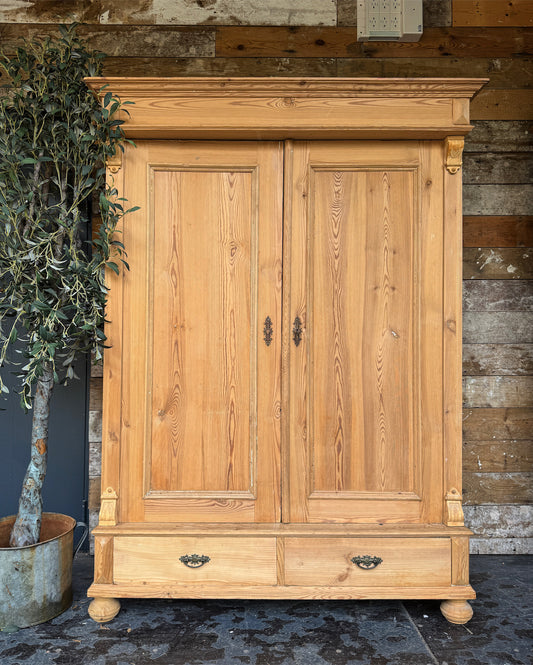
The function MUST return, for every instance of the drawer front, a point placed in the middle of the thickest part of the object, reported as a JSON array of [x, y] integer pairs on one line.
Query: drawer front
[[404, 562], [231, 560]]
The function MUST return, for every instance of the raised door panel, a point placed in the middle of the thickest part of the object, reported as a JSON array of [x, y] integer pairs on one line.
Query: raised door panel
[[365, 386], [202, 422]]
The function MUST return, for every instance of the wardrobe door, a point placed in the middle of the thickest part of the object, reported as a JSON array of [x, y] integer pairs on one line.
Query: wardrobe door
[[364, 317], [202, 321]]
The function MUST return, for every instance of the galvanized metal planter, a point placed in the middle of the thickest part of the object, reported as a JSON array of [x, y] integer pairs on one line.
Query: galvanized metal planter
[[36, 581]]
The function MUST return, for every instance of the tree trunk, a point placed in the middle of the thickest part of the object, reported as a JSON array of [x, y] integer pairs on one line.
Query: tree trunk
[[27, 527]]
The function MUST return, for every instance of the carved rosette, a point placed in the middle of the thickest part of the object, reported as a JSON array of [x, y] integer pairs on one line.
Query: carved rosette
[[454, 153]]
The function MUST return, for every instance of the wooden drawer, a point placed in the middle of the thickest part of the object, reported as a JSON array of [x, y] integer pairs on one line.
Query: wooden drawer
[[405, 562], [231, 560]]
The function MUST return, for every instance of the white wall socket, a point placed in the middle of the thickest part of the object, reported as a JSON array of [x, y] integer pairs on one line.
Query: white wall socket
[[389, 20]]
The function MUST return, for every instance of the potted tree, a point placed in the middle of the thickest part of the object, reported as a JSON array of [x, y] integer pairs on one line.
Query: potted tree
[[55, 137]]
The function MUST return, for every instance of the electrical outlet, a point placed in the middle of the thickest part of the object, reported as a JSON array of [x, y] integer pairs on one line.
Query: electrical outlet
[[389, 20]]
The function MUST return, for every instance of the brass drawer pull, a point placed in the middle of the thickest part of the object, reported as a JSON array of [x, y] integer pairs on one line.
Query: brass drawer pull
[[194, 560], [367, 562]]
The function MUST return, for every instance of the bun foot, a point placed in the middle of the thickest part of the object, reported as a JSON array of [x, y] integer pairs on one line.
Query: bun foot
[[104, 609], [456, 611]]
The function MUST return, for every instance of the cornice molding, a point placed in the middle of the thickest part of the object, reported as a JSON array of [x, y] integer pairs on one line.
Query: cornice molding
[[319, 87]]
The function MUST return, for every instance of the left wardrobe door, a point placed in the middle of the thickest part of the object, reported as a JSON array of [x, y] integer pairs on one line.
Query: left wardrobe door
[[200, 427]]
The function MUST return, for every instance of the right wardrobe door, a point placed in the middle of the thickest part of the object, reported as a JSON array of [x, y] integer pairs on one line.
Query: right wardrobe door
[[363, 276]]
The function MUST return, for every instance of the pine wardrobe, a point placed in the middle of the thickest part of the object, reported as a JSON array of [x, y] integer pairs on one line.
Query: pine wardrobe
[[282, 391]]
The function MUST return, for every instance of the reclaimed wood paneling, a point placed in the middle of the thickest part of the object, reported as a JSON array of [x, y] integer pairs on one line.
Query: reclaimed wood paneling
[[489, 263], [347, 13], [498, 168], [497, 199], [97, 369], [500, 136], [95, 394], [502, 105], [500, 521], [498, 359], [505, 73], [509, 455], [95, 459], [498, 328], [95, 426], [176, 12], [342, 42], [220, 67], [498, 423], [497, 488], [437, 13], [125, 40], [498, 231], [497, 391], [94, 492], [493, 13], [497, 296], [517, 545]]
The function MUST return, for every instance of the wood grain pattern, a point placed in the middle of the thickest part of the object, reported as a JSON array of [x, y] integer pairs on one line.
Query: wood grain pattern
[[344, 316], [497, 391], [508, 455], [497, 488], [230, 591], [506, 73], [500, 136], [342, 42], [217, 277], [495, 13], [204, 272], [503, 105], [498, 359], [103, 560], [498, 168], [498, 231], [180, 12], [362, 397], [497, 423], [505, 263], [452, 336], [460, 561], [498, 327], [211, 66], [498, 296], [497, 199], [327, 562], [123, 41], [232, 560]]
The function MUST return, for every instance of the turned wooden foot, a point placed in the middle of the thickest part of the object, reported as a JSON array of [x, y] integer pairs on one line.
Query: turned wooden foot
[[456, 611], [104, 609]]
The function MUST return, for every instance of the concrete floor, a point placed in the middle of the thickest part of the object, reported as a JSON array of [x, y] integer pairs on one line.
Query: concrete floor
[[177, 632]]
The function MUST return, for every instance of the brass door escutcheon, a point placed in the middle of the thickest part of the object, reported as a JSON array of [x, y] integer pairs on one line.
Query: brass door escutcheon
[[268, 331], [367, 562], [297, 331], [194, 560]]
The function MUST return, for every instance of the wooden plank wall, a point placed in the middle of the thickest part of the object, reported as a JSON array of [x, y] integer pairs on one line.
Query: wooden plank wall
[[482, 38]]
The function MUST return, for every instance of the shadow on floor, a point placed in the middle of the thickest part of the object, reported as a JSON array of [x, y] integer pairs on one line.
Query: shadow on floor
[[255, 632]]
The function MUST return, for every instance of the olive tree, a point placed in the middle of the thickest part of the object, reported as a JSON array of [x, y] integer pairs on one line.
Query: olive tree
[[55, 137]]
